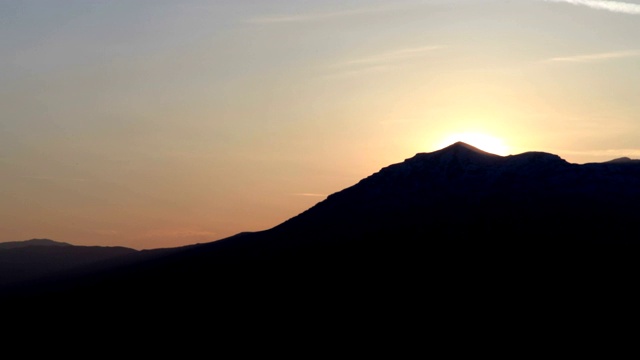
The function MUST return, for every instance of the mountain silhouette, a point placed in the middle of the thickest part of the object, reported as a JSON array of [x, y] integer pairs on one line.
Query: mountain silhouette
[[29, 243], [449, 218], [22, 261]]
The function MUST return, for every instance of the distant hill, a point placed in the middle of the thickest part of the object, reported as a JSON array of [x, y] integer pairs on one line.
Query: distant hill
[[32, 242], [454, 218], [32, 259]]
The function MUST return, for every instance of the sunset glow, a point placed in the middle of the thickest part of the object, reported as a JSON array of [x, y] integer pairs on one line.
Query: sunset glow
[[163, 123]]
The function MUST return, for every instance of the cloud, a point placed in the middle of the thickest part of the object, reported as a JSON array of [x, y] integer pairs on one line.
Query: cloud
[[177, 233], [309, 194], [48, 178], [614, 6], [107, 232], [326, 15], [596, 57], [392, 56], [608, 153], [381, 61], [308, 17]]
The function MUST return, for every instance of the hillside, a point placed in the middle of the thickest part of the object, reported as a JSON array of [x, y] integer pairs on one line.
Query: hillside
[[443, 218]]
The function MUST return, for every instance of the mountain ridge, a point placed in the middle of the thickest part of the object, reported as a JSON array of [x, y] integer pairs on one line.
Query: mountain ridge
[[31, 242], [28, 260], [458, 205]]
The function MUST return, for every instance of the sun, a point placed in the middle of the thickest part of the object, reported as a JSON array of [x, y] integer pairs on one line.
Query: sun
[[484, 142]]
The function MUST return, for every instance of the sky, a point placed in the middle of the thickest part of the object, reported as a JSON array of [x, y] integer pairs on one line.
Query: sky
[[154, 124]]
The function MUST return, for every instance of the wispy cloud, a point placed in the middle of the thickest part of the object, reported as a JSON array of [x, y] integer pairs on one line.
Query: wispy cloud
[[47, 178], [608, 153], [391, 56], [381, 61], [319, 15], [177, 233], [309, 194], [596, 57], [308, 17], [103, 232], [614, 6]]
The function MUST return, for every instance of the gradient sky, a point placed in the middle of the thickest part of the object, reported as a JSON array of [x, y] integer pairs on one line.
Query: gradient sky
[[163, 123]]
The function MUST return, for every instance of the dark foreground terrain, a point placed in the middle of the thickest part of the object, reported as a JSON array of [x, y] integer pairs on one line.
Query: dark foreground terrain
[[443, 228]]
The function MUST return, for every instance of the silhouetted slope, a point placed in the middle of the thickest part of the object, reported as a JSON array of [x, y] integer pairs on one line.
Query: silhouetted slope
[[447, 218], [460, 194]]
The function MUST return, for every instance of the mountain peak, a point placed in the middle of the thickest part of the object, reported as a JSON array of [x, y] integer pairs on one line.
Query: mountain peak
[[463, 146], [622, 160], [458, 152]]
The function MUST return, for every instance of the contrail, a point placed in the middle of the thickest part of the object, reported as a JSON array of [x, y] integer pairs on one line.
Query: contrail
[[614, 6]]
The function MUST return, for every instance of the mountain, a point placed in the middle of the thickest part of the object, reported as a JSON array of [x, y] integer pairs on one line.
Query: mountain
[[454, 218], [22, 261], [29, 243]]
